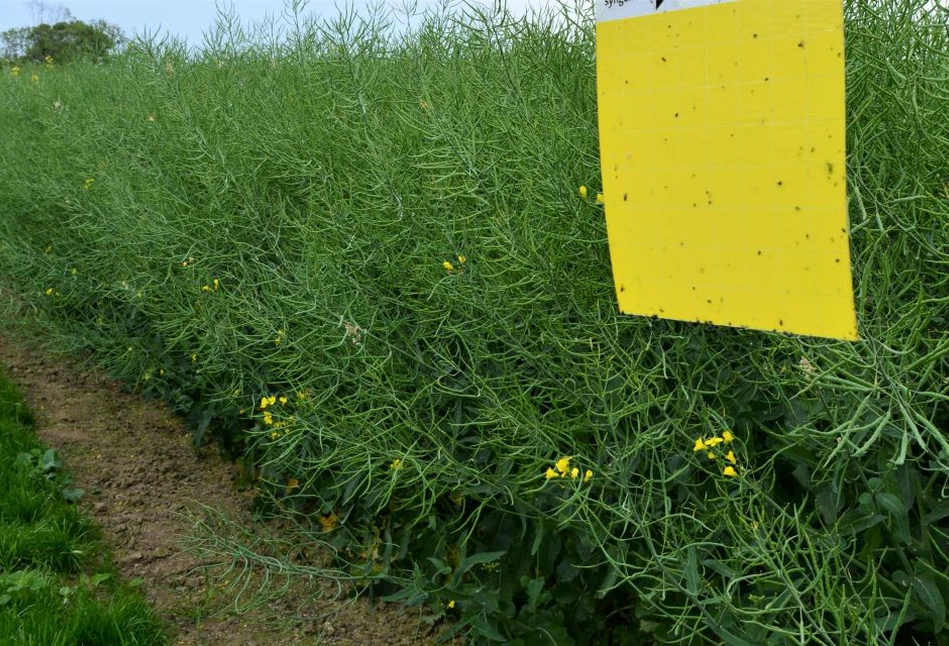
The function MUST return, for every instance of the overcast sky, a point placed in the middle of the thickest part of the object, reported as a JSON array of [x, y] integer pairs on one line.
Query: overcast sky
[[185, 18]]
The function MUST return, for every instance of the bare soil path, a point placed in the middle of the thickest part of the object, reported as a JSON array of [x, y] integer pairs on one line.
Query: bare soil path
[[135, 461]]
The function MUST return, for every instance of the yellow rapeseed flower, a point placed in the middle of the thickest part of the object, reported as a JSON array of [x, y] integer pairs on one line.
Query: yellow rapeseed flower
[[205, 288], [15, 71], [268, 418], [49, 291], [583, 192], [711, 455], [448, 266], [461, 260], [88, 183], [731, 457], [35, 78], [730, 472], [727, 436], [396, 464], [217, 284], [587, 475], [551, 473], [329, 521], [599, 198], [451, 604], [283, 400], [563, 465], [713, 441], [49, 60], [699, 445], [574, 473]]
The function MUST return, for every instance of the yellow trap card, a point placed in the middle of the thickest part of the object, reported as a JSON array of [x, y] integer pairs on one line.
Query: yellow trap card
[[722, 141]]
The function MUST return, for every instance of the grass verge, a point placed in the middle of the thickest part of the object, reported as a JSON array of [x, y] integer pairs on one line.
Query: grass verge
[[56, 587]]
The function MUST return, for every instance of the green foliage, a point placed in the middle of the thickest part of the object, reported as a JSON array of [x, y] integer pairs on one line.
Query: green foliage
[[45, 543], [64, 41], [383, 228]]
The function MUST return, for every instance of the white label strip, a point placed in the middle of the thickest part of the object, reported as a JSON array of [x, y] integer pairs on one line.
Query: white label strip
[[616, 9]]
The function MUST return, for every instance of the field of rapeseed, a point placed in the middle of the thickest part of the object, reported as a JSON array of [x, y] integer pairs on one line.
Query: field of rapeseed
[[356, 258]]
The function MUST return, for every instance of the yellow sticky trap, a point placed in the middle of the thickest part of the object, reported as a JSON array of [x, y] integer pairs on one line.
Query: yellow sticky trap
[[722, 139]]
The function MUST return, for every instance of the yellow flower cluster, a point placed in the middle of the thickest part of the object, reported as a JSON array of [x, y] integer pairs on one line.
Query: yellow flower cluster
[[15, 71], [562, 469], [208, 288], [88, 183], [449, 267], [35, 78], [49, 62], [584, 193], [281, 335], [268, 419], [708, 445]]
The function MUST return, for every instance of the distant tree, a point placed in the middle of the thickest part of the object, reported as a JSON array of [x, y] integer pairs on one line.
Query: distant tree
[[66, 41], [13, 43]]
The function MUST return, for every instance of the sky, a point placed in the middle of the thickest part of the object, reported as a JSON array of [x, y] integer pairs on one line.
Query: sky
[[187, 19]]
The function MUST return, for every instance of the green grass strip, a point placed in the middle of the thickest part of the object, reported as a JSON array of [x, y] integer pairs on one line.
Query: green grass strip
[[54, 589]]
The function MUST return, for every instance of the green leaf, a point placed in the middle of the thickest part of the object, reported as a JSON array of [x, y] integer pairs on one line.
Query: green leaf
[[857, 520], [828, 502], [535, 589], [49, 461], [477, 559], [73, 494], [928, 594], [720, 568], [441, 567], [891, 503], [937, 513]]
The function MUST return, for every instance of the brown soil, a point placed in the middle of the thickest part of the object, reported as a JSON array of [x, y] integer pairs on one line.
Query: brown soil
[[142, 480]]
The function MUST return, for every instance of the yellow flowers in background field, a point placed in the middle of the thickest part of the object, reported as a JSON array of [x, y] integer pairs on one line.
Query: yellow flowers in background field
[[708, 444], [35, 78], [450, 267], [277, 427], [88, 183], [562, 469], [15, 71]]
